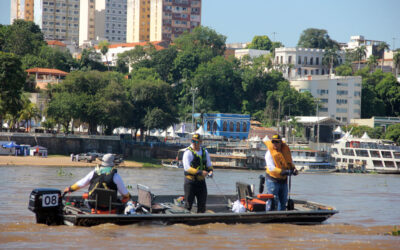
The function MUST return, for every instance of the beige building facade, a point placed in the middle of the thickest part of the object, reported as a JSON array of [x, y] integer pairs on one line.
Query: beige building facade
[[339, 97], [161, 20]]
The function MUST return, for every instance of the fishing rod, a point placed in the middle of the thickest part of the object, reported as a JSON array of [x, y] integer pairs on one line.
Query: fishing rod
[[219, 190]]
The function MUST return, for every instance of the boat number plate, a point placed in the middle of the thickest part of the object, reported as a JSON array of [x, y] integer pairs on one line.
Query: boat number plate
[[50, 200]]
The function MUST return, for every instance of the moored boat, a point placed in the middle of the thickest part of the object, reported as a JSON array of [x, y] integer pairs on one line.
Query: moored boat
[[366, 155]]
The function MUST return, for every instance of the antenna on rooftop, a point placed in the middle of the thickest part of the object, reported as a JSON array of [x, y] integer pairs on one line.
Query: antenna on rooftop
[[273, 35]]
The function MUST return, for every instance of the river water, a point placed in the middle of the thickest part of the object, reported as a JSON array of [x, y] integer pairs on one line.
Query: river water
[[369, 208]]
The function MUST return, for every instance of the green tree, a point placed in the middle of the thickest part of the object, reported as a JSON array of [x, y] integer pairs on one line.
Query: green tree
[[393, 133], [396, 62], [381, 48], [316, 38], [12, 80], [90, 60], [331, 59], [261, 43], [360, 53], [204, 41], [344, 70], [103, 45], [388, 90], [82, 95], [372, 62], [147, 99], [29, 112], [219, 85], [24, 37]]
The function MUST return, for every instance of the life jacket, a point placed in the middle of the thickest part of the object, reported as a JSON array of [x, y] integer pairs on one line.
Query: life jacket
[[199, 163], [102, 181], [282, 160]]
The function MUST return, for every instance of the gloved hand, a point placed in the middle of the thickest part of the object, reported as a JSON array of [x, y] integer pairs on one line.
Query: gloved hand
[[286, 172], [68, 190]]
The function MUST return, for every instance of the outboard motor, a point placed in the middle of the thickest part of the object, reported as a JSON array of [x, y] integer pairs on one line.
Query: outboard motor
[[46, 204]]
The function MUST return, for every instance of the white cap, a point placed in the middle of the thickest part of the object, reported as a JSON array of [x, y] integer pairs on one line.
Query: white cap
[[107, 160]]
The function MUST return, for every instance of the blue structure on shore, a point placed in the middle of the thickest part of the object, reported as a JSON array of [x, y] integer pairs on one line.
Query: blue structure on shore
[[234, 126]]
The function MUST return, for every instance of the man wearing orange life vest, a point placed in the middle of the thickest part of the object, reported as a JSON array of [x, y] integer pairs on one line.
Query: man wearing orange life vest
[[279, 165]]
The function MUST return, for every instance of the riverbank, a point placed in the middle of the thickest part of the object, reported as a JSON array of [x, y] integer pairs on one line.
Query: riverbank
[[56, 161]]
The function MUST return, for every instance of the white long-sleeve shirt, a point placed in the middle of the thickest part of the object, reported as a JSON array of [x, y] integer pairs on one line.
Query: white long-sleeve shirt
[[117, 180], [269, 161], [188, 158]]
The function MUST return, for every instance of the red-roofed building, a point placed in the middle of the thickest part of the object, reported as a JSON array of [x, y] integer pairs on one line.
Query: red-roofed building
[[43, 76], [56, 44], [115, 49]]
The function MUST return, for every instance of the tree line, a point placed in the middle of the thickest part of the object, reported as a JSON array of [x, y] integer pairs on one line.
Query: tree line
[[150, 88]]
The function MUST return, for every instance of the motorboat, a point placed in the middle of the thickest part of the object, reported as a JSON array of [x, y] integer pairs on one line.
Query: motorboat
[[51, 207]]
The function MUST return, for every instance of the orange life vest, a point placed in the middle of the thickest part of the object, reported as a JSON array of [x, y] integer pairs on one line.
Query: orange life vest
[[282, 160]]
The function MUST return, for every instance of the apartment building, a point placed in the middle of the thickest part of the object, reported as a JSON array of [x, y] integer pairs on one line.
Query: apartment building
[[339, 96], [58, 19], [300, 62], [103, 20], [161, 20]]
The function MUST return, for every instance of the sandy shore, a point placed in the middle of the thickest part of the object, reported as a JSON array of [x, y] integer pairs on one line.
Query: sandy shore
[[57, 161]]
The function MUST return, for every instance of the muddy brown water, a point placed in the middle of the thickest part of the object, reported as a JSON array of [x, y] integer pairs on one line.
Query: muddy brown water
[[369, 208]]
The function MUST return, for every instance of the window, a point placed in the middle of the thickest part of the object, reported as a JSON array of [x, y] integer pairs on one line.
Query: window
[[342, 92], [231, 126], [386, 154], [224, 126], [290, 59], [215, 126], [341, 101], [208, 126], [317, 61], [238, 127], [311, 61], [305, 60], [244, 127], [299, 60]]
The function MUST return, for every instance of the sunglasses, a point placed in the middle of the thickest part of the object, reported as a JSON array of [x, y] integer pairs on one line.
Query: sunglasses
[[276, 142], [196, 141]]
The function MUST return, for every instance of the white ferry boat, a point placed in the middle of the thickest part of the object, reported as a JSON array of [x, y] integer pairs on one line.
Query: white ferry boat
[[312, 161], [365, 154]]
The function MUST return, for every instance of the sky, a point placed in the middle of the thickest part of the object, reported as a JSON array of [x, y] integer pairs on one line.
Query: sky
[[284, 20]]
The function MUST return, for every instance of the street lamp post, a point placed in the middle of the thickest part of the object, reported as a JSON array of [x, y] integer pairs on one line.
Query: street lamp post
[[194, 91]]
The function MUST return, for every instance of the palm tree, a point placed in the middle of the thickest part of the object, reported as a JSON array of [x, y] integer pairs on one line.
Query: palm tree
[[103, 45], [396, 62], [381, 48], [360, 52], [372, 62], [29, 112], [331, 59]]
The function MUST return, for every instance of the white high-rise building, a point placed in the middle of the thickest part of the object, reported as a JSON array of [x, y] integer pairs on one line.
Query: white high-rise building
[[103, 20], [339, 96], [58, 19]]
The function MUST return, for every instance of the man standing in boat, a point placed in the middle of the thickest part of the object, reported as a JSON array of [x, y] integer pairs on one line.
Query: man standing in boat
[[103, 176], [197, 166], [279, 165]]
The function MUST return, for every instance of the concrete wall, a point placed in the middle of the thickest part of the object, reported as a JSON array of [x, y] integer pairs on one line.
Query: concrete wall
[[66, 144]]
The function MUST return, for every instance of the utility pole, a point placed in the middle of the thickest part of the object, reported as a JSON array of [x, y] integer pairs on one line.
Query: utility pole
[[279, 116], [318, 124], [273, 35], [194, 91], [394, 44]]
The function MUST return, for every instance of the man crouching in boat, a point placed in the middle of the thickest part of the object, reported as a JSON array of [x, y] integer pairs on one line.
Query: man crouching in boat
[[197, 165], [103, 176], [279, 166]]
